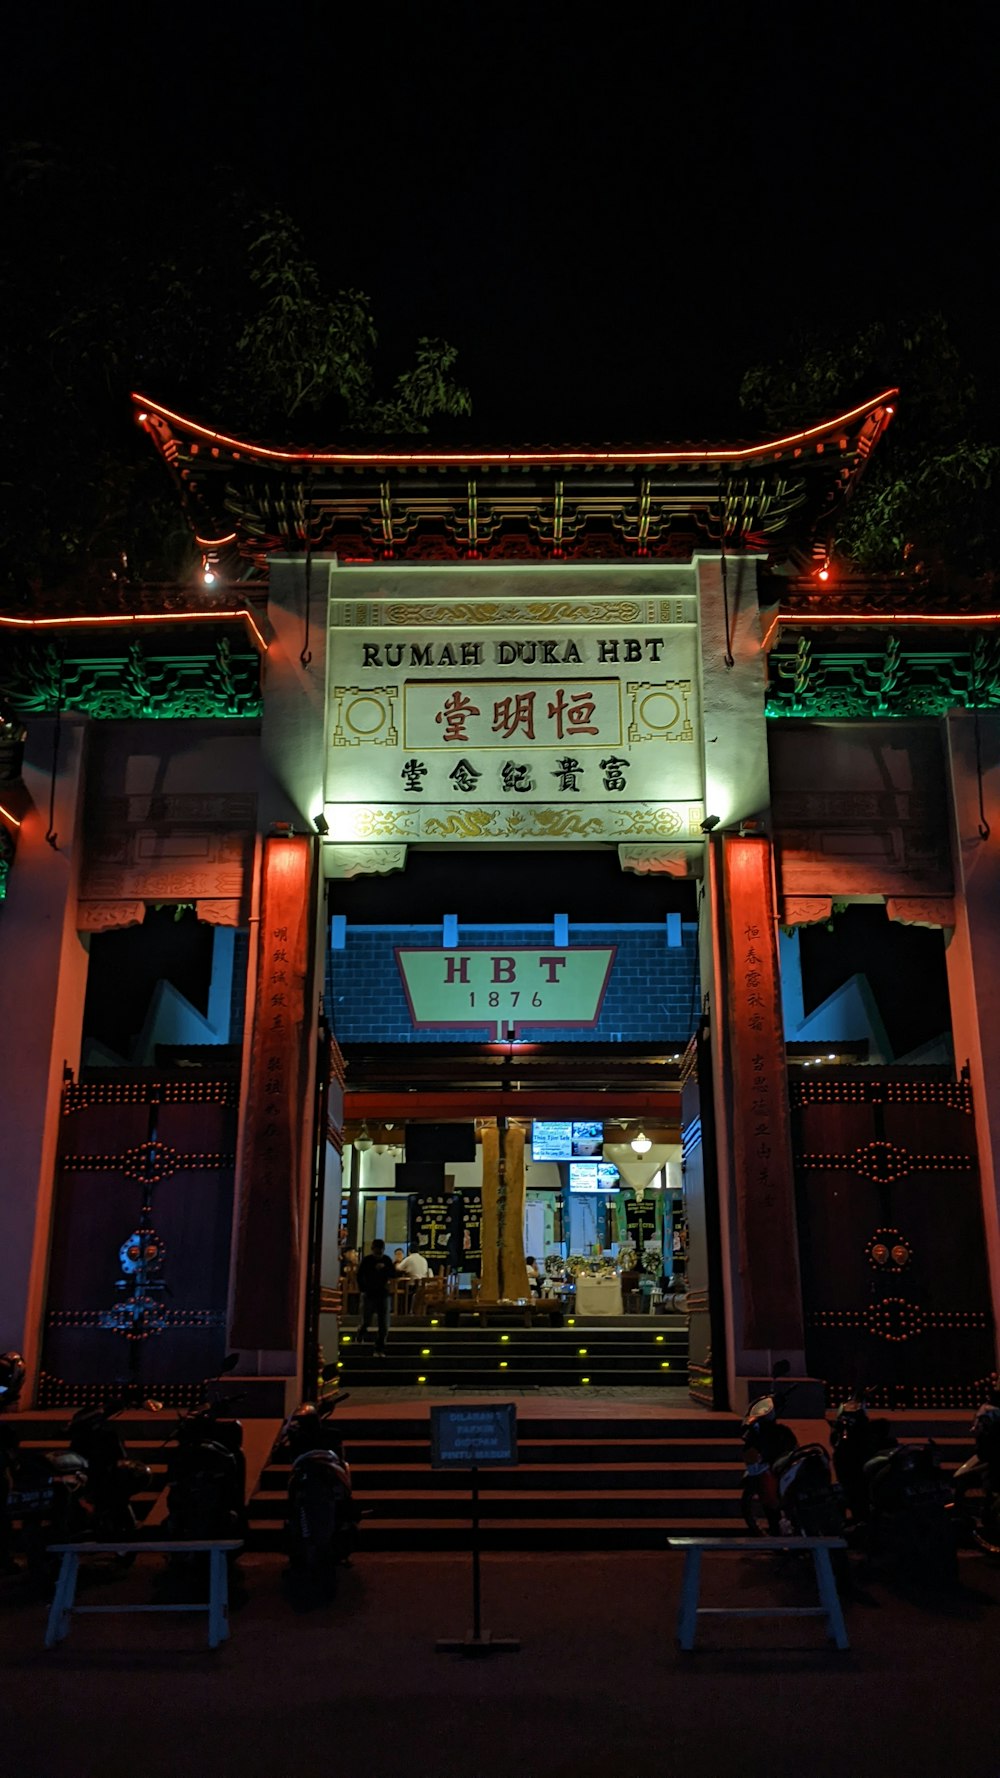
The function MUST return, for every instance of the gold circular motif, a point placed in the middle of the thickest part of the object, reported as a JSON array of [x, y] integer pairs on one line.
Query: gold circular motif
[[373, 716], [654, 698]]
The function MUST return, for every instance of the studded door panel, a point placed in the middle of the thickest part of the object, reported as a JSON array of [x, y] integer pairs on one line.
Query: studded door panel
[[139, 1266], [894, 1276]]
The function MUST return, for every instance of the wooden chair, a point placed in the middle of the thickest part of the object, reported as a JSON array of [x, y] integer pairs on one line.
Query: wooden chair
[[429, 1295]]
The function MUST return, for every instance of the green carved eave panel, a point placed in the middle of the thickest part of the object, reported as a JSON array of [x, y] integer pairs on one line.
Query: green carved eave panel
[[883, 676], [6, 859], [135, 679]]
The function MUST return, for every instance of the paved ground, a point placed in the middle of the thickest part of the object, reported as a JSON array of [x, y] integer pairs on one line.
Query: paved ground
[[598, 1690]]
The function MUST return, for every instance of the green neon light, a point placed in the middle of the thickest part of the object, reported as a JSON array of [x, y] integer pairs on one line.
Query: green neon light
[[885, 679], [6, 860], [137, 680]]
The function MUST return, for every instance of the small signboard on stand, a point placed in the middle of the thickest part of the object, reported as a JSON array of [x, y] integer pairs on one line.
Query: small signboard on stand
[[475, 1437]]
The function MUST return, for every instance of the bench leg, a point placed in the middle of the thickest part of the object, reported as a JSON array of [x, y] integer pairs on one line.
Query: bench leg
[[62, 1600], [690, 1589], [830, 1598], [218, 1598]]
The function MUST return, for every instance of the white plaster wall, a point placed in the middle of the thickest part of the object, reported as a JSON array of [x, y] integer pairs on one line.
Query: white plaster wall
[[292, 727], [732, 698]]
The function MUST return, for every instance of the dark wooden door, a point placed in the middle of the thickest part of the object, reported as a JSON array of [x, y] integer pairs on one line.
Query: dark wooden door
[[139, 1265], [894, 1274]]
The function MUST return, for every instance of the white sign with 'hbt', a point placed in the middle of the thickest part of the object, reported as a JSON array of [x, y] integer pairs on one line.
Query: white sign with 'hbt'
[[515, 987]]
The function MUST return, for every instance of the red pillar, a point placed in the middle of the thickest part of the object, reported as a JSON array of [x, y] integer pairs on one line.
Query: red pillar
[[268, 1249]]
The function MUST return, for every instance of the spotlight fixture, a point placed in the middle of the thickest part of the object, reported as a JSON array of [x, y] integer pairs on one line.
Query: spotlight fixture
[[710, 823], [362, 1140], [640, 1144], [320, 823]]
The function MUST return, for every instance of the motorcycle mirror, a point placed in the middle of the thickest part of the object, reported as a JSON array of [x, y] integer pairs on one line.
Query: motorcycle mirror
[[782, 1368], [229, 1363]]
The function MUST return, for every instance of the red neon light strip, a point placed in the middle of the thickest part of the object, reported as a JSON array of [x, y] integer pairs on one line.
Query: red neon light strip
[[215, 542], [957, 620], [140, 617], [730, 454], [8, 816]]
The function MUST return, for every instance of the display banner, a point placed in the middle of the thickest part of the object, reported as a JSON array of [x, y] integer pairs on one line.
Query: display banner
[[430, 1226], [762, 1159], [465, 1251], [641, 1221], [446, 1227], [517, 986], [265, 1304]]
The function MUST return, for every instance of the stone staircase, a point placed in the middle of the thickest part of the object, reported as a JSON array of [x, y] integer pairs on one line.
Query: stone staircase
[[593, 1471], [636, 1351], [604, 1478]]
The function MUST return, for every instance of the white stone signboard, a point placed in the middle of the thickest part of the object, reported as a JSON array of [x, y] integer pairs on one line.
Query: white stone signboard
[[516, 717]]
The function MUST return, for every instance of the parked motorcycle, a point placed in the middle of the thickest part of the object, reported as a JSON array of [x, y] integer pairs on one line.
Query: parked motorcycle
[[977, 1481], [40, 1503], [321, 1517], [856, 1439], [788, 1488], [113, 1477], [910, 1526], [206, 1475]]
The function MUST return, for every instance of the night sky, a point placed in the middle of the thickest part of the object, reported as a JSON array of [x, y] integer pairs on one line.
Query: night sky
[[611, 211]]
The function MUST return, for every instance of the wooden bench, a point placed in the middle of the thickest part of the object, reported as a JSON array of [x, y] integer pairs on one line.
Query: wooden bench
[[695, 1547], [63, 1601]]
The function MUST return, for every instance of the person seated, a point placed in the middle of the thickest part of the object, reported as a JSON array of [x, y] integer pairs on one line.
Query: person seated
[[413, 1266]]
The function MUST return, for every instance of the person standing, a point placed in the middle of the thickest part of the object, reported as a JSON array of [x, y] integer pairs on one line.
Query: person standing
[[376, 1274]]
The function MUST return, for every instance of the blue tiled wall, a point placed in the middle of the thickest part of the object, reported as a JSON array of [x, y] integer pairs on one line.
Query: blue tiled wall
[[651, 998]]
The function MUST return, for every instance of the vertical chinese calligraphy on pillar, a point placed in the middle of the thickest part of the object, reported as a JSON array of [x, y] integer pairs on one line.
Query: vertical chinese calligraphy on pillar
[[765, 1201], [265, 1304]]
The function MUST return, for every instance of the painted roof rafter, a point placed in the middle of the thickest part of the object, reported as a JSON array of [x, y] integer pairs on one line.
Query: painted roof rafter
[[248, 500]]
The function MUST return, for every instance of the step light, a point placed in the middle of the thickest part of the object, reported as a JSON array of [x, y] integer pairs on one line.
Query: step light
[[585, 1379], [659, 1339], [581, 1351], [425, 1351], [504, 1338], [421, 1379], [503, 1364], [665, 1366]]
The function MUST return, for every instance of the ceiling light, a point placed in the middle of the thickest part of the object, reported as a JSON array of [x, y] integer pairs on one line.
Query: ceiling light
[[640, 1144], [362, 1140]]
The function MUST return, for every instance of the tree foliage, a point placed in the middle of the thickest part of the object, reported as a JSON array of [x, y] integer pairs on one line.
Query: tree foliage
[[304, 353], [217, 309], [927, 502]]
